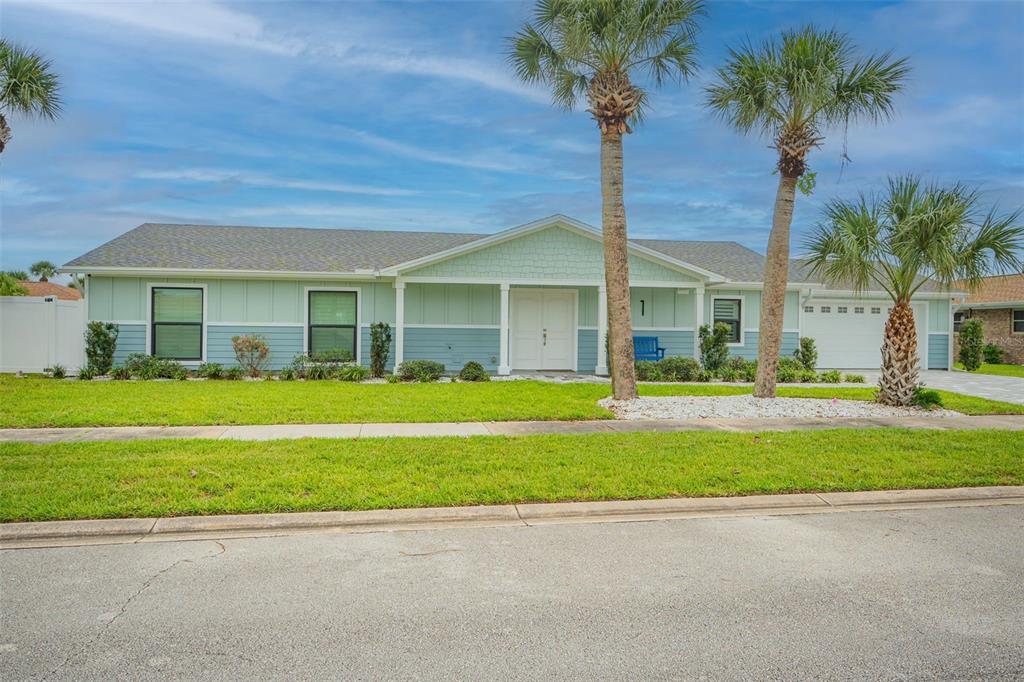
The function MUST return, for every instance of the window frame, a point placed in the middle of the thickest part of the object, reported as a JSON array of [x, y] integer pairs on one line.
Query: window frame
[[151, 323], [307, 334], [964, 316], [1014, 321], [739, 326]]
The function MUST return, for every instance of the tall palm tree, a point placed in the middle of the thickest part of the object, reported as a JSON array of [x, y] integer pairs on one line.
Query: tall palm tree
[[43, 269], [791, 91], [914, 234], [28, 87], [594, 49]]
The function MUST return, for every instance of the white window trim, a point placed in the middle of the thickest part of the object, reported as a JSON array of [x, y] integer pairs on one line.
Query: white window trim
[[743, 316], [359, 316], [149, 316]]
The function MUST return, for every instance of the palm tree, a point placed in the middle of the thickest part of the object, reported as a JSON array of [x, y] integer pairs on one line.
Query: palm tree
[[791, 91], [914, 234], [27, 87], [594, 49], [43, 269]]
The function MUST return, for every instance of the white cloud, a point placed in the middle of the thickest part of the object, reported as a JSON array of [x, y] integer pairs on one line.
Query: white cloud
[[215, 175], [493, 159]]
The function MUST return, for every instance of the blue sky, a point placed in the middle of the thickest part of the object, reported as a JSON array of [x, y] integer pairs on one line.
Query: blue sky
[[405, 116]]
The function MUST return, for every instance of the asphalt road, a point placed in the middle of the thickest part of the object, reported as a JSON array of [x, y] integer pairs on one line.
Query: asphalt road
[[915, 594]]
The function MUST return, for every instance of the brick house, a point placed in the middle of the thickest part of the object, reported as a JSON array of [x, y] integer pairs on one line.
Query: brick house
[[999, 304]]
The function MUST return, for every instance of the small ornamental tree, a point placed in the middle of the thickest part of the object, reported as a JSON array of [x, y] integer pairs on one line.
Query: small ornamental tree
[[807, 353], [252, 353], [100, 342], [714, 350], [972, 342], [380, 348]]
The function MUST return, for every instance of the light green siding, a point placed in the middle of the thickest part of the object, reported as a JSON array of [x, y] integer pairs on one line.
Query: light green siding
[[554, 253], [751, 309], [655, 308], [938, 351], [476, 304], [938, 316]]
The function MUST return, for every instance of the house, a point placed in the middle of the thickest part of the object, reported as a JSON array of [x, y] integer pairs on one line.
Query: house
[[45, 289], [999, 304], [528, 298]]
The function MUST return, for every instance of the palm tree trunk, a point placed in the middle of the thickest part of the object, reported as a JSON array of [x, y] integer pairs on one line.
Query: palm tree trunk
[[616, 268], [5, 133], [773, 296], [899, 357]]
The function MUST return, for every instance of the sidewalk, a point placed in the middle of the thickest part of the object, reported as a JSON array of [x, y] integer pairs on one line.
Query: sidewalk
[[171, 529], [289, 431]]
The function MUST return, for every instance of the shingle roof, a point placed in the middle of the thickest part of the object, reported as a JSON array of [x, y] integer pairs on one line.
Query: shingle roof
[[50, 289], [998, 289], [285, 249], [729, 259]]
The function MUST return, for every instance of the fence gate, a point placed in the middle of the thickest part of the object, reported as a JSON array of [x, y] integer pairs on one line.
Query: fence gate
[[38, 332]]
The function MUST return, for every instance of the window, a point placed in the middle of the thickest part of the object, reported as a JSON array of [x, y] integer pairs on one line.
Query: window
[[177, 323], [958, 320], [826, 308], [841, 309], [876, 311], [727, 311], [858, 310], [1018, 321], [332, 322], [808, 308]]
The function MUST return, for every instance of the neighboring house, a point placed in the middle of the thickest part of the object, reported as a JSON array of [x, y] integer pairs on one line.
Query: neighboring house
[[999, 304], [45, 288], [531, 297]]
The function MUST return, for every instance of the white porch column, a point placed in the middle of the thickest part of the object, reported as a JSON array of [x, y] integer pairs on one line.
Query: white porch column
[[602, 331], [399, 323], [698, 318], [503, 359]]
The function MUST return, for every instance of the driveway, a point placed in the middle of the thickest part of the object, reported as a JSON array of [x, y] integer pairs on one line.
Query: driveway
[[913, 594], [1007, 389]]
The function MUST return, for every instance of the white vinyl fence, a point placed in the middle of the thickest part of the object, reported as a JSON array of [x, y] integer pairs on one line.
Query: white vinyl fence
[[39, 332]]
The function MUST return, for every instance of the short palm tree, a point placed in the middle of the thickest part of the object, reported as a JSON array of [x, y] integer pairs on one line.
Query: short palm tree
[[28, 87], [43, 269], [912, 235], [791, 91], [594, 49]]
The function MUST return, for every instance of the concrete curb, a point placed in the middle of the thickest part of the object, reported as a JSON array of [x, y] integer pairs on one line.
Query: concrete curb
[[122, 531]]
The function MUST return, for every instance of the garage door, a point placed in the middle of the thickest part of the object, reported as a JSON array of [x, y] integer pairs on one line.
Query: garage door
[[849, 334]]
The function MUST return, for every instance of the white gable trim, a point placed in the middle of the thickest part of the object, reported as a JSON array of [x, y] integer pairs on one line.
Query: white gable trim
[[561, 221]]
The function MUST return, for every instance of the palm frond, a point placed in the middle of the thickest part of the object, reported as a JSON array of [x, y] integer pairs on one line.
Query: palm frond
[[28, 84]]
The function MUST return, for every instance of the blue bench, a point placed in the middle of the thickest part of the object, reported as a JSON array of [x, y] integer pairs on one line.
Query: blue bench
[[647, 348]]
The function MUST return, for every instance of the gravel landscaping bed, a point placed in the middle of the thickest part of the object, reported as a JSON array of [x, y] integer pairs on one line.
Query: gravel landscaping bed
[[747, 406]]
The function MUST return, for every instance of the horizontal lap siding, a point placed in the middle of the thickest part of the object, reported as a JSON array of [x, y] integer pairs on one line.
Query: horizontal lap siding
[[364, 348], [586, 350], [453, 347], [674, 342], [938, 351], [285, 343], [748, 351], [131, 338]]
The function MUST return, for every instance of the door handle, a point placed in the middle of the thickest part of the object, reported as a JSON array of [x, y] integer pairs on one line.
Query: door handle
[[545, 337]]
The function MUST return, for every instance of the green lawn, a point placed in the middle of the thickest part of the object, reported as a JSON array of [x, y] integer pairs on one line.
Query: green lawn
[[40, 402], [149, 478], [998, 370]]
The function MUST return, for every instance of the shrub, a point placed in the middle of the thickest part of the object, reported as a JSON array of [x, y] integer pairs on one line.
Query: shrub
[[100, 342], [807, 376], [149, 367], [318, 371], [86, 373], [233, 373], [854, 378], [714, 350], [393, 379], [729, 374], [678, 368], [380, 348], [647, 370], [790, 371], [333, 356], [993, 353], [926, 398], [121, 373], [210, 370], [749, 373], [473, 371], [58, 371], [252, 353], [352, 373], [420, 370], [287, 374], [181, 374], [807, 353], [833, 376], [972, 338], [704, 376]]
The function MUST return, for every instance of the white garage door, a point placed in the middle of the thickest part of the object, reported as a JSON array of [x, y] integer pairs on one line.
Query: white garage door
[[849, 334]]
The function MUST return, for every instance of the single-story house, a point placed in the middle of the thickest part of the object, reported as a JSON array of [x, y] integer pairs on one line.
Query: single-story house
[[47, 289], [999, 304], [528, 298]]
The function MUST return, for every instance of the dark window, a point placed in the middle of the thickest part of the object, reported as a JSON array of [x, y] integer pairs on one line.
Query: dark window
[[727, 311], [332, 322], [177, 319], [958, 320], [1018, 321]]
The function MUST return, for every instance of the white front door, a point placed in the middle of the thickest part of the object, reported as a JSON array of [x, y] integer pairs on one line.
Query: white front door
[[543, 329], [848, 334]]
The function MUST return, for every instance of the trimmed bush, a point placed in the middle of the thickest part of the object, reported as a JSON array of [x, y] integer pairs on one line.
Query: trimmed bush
[[678, 368], [86, 373], [380, 348], [807, 353], [423, 371], [473, 371], [252, 353], [749, 373], [854, 378], [972, 339], [333, 356], [233, 373], [100, 342], [790, 371], [352, 373], [993, 354], [729, 374], [120, 373], [210, 370], [832, 376], [58, 371], [926, 398], [647, 370], [181, 374], [149, 367], [704, 376], [714, 350], [286, 374]]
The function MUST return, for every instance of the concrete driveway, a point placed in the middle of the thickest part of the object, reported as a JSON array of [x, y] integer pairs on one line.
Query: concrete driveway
[[1007, 389], [911, 594]]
